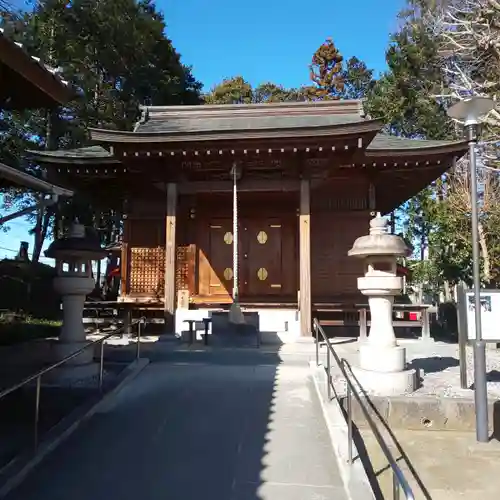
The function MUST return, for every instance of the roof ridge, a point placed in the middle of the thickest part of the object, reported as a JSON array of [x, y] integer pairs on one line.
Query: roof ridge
[[347, 106]]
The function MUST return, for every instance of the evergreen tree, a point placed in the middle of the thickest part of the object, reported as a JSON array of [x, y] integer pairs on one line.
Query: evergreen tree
[[237, 90], [326, 72], [116, 55]]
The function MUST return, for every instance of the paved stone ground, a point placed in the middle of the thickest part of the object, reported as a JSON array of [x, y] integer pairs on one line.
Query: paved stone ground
[[220, 425]]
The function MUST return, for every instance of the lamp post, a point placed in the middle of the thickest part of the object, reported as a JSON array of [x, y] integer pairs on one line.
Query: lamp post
[[469, 111]]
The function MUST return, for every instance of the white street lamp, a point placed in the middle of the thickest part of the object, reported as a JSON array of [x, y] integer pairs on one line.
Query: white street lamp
[[469, 111]]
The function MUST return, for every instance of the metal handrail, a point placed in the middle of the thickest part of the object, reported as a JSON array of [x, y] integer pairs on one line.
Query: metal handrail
[[39, 374], [398, 479]]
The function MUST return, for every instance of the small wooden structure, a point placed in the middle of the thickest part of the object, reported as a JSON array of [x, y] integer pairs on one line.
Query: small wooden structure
[[26, 83], [312, 173]]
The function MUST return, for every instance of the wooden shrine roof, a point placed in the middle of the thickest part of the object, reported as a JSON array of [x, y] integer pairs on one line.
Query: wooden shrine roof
[[323, 140], [27, 83], [222, 118], [214, 123]]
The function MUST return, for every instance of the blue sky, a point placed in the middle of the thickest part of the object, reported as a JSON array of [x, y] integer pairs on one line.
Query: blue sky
[[265, 40], [270, 40]]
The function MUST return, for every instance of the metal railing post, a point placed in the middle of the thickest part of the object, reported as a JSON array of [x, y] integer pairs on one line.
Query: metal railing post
[[399, 482], [37, 410], [316, 333], [101, 365], [138, 347], [349, 425], [328, 373], [395, 486], [37, 378]]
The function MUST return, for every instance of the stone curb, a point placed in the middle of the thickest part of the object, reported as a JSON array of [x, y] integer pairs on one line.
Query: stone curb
[[356, 482], [62, 431], [427, 413]]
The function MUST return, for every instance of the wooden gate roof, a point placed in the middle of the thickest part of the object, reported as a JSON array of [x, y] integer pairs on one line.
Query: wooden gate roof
[[26, 82]]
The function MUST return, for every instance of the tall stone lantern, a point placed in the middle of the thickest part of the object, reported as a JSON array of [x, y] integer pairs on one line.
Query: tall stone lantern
[[382, 361], [74, 255]]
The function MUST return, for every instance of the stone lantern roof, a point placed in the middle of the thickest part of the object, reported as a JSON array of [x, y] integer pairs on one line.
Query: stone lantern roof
[[379, 241], [79, 243]]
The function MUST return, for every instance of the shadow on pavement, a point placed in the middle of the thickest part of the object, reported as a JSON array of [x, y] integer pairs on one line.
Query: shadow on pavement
[[193, 427]]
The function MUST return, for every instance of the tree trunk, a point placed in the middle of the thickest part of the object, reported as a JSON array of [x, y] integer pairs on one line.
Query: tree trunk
[[41, 228], [483, 246], [447, 291]]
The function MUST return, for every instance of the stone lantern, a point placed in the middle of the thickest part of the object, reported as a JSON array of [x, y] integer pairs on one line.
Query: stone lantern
[[74, 255], [382, 361]]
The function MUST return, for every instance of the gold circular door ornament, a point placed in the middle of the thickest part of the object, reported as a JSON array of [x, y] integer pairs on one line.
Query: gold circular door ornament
[[228, 273], [262, 237], [262, 274], [228, 238]]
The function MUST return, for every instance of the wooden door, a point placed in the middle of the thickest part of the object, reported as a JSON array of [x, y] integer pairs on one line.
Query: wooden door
[[262, 262], [216, 259]]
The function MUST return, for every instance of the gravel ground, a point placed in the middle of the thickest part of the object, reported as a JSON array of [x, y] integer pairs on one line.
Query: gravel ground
[[439, 365]]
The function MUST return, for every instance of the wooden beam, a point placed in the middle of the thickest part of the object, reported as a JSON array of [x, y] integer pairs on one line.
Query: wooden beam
[[305, 259], [125, 260], [170, 224], [245, 185], [372, 197]]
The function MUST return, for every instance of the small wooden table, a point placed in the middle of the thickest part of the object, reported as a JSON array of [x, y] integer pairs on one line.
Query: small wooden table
[[192, 328]]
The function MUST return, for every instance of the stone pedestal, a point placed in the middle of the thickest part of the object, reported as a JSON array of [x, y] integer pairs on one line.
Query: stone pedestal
[[380, 383], [382, 369]]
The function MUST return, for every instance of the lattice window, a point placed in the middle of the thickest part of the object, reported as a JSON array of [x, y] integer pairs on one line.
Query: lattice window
[[147, 271], [182, 268]]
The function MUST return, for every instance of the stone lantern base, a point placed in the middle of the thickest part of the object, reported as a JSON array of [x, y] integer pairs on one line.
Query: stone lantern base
[[382, 370], [386, 384], [74, 375], [79, 369]]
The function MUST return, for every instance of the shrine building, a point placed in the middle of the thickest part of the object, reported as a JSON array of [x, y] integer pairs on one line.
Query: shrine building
[[308, 177]]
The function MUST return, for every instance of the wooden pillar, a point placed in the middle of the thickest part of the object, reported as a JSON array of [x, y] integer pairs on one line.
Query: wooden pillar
[[125, 260], [305, 306], [170, 223], [372, 200]]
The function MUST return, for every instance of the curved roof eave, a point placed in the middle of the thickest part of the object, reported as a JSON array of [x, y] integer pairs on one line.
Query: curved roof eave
[[83, 156], [386, 145]]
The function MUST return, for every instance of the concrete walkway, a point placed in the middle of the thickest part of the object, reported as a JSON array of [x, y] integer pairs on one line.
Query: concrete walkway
[[200, 428]]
